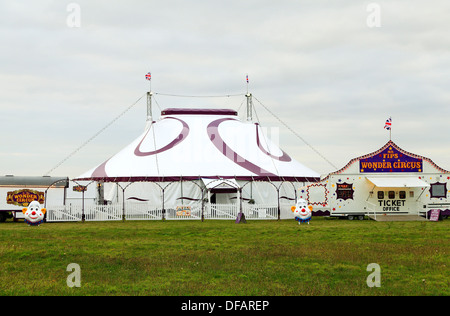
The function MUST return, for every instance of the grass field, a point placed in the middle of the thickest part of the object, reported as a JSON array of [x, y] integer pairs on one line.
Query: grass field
[[276, 258]]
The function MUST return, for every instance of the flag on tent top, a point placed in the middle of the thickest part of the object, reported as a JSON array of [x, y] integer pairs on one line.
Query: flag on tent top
[[388, 124], [246, 78], [148, 76]]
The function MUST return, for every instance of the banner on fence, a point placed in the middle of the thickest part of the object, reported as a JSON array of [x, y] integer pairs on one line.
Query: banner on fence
[[183, 211]]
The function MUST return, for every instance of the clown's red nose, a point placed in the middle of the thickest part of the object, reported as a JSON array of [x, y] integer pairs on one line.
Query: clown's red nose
[[33, 213]]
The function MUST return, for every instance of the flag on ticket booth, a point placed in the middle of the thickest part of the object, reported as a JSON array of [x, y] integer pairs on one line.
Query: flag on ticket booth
[[388, 124]]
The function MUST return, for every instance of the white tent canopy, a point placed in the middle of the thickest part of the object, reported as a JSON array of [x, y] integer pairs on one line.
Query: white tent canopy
[[191, 144]]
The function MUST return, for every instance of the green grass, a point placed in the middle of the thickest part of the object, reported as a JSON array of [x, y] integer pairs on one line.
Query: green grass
[[328, 257]]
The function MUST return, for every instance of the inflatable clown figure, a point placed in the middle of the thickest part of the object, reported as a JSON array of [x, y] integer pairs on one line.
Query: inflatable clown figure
[[302, 211], [34, 215]]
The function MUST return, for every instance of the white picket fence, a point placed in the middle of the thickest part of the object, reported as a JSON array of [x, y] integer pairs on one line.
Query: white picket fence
[[74, 213], [260, 211], [144, 211], [64, 213], [111, 212]]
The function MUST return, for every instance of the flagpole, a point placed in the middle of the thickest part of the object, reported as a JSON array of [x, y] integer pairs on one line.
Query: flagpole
[[249, 103], [388, 126], [390, 130], [149, 98], [247, 81]]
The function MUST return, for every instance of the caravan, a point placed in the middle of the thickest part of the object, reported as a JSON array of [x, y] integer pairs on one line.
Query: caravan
[[17, 192], [389, 181]]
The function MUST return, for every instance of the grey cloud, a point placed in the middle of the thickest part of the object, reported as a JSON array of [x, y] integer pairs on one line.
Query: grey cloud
[[317, 65]]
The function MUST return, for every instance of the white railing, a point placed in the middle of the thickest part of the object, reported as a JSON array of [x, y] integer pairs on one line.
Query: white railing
[[64, 213], [371, 208], [221, 211], [111, 212], [374, 209], [145, 211], [142, 211], [260, 211]]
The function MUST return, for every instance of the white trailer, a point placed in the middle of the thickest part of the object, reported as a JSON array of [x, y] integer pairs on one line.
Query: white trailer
[[16, 192], [387, 181]]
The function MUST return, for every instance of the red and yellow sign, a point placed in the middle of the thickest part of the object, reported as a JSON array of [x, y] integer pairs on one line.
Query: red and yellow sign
[[24, 197], [80, 188], [183, 211]]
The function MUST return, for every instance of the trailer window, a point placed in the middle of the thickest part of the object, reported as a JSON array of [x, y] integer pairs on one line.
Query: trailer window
[[391, 194], [380, 195], [411, 194], [438, 190], [344, 191], [402, 195]]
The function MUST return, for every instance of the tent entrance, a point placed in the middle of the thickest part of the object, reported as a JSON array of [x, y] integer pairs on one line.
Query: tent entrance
[[222, 191], [223, 197]]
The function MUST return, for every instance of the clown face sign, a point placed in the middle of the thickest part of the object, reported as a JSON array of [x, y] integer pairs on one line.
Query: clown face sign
[[34, 215], [302, 211]]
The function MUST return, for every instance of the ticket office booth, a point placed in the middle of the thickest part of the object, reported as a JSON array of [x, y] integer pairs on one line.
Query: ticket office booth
[[395, 200], [397, 195]]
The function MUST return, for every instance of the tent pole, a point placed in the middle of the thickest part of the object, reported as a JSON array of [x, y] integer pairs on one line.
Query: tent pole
[[249, 107], [279, 209], [163, 210], [123, 203], [149, 106], [203, 206], [181, 185], [239, 200], [295, 192], [82, 208], [209, 203]]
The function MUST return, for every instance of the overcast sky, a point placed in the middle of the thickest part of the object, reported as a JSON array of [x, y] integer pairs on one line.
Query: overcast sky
[[325, 68]]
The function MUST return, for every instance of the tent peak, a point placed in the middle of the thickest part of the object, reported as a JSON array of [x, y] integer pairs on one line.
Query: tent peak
[[196, 111]]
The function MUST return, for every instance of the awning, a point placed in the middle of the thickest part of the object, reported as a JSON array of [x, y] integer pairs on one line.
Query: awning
[[221, 184], [398, 182]]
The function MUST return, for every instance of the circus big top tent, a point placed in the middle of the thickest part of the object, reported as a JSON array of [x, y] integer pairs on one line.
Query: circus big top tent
[[189, 144], [194, 155]]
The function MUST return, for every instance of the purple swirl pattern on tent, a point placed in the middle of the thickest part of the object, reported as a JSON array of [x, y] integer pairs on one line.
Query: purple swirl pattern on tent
[[214, 136], [182, 136], [100, 171], [285, 157], [137, 199]]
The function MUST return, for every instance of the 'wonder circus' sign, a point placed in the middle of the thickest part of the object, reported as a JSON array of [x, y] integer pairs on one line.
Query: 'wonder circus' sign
[[24, 197], [390, 160]]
